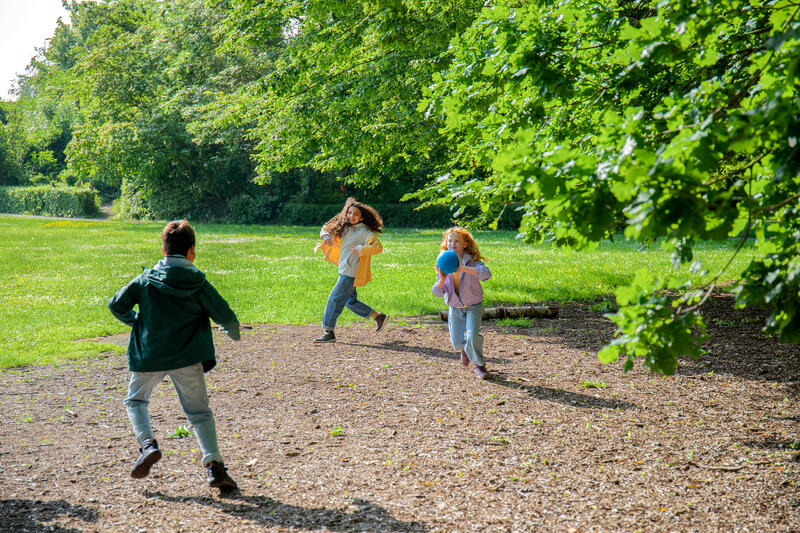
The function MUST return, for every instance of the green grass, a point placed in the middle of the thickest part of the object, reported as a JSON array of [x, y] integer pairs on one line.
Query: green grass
[[57, 275]]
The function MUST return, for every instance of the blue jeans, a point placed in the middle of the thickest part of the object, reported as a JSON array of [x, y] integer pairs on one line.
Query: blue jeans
[[343, 295], [465, 324], [190, 384]]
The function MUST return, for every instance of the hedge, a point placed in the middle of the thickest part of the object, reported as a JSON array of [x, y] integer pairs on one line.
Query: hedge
[[394, 215], [48, 200]]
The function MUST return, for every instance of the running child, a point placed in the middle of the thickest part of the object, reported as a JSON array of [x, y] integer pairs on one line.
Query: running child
[[171, 336], [462, 291], [349, 240]]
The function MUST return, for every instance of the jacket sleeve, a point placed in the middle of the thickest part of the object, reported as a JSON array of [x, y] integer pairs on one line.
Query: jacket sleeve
[[371, 247], [483, 271], [437, 291], [121, 304], [219, 311]]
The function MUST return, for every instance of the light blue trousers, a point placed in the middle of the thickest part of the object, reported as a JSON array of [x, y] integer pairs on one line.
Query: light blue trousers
[[465, 324], [343, 295], [190, 384]]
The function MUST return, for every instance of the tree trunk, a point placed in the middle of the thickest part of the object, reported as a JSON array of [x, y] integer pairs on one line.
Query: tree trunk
[[527, 311]]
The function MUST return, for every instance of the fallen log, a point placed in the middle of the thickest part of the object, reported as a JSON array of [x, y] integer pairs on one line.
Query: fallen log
[[520, 311]]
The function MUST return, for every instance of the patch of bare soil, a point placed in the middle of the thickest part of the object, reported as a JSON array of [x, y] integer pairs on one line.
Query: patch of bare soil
[[387, 432]]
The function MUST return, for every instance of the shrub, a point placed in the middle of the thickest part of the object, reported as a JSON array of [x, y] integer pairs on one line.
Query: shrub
[[398, 215], [61, 201]]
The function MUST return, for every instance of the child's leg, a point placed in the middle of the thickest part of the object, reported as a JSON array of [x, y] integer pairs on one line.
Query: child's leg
[[138, 402], [357, 306], [456, 323], [474, 339], [336, 301], [190, 384]]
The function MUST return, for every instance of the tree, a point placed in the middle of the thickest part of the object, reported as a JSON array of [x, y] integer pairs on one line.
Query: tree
[[336, 84], [678, 120]]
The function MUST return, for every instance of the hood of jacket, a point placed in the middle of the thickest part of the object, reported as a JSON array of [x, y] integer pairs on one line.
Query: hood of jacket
[[176, 276]]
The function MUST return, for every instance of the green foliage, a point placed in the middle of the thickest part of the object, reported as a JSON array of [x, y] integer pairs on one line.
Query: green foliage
[[181, 432], [516, 322], [594, 384], [337, 82], [655, 326], [50, 200], [394, 215], [677, 120]]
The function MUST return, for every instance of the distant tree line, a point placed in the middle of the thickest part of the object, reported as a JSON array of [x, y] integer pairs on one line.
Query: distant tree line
[[675, 121]]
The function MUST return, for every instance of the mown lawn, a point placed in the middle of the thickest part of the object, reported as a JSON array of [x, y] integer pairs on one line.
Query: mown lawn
[[57, 275]]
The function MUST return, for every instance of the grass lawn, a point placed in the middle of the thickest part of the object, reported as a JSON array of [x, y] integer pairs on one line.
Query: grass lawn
[[57, 275]]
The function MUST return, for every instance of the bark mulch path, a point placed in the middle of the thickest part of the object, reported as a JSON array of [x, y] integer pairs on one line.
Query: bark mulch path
[[387, 432]]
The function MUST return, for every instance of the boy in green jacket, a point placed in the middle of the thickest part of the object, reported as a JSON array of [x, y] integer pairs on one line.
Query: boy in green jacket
[[171, 336]]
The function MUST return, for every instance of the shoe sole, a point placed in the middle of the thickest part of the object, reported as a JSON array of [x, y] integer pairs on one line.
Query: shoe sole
[[382, 324], [317, 341], [141, 470], [224, 485]]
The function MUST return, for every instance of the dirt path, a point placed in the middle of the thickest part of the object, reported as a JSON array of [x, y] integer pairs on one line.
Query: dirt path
[[388, 432]]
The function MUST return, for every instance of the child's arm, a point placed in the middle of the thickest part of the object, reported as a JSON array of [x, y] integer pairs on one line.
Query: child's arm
[[438, 287], [371, 247], [325, 237], [219, 311], [480, 271], [121, 304]]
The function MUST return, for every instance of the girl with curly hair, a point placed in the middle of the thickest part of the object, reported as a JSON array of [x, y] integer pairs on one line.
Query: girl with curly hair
[[349, 240]]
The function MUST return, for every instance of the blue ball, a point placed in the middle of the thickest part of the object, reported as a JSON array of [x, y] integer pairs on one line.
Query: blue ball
[[448, 261]]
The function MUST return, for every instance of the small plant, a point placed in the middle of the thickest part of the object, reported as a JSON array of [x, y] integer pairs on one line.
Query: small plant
[[604, 307], [181, 432], [336, 432], [27, 419], [518, 322], [594, 384]]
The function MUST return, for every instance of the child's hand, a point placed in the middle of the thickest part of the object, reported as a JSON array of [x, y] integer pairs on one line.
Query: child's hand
[[327, 241]]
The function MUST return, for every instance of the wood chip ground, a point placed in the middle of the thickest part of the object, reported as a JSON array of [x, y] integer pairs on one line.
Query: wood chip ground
[[388, 432]]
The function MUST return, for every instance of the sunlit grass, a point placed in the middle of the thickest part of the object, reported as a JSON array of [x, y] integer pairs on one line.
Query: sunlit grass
[[57, 275]]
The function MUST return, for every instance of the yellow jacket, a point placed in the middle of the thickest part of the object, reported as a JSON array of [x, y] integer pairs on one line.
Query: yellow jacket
[[332, 254]]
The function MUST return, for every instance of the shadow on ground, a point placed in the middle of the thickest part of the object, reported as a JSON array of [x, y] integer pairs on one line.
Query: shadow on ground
[[35, 515], [737, 344], [573, 399], [404, 346], [268, 512]]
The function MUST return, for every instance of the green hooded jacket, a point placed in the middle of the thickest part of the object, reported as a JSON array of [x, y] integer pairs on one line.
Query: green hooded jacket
[[171, 329]]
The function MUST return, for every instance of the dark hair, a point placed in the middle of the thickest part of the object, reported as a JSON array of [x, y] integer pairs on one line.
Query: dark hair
[[177, 237], [371, 219]]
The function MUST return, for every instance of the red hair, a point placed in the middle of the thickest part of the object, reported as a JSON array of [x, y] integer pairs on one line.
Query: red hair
[[471, 248]]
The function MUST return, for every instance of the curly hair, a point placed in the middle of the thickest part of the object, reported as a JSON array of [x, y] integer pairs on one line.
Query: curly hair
[[471, 248], [338, 224]]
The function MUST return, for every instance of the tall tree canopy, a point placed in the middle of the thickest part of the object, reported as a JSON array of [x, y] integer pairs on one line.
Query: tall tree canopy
[[677, 119], [337, 82]]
